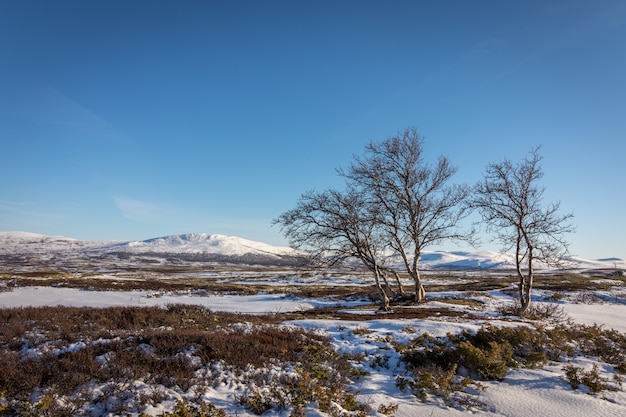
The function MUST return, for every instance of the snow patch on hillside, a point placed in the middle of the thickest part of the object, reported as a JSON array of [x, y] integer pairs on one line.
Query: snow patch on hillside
[[466, 260], [12, 243], [205, 243]]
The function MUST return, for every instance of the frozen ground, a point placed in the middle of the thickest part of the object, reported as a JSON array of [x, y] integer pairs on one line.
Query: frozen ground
[[610, 315], [542, 391], [523, 392]]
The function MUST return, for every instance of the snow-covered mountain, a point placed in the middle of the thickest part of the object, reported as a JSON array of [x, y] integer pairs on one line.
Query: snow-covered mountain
[[196, 243], [460, 260], [193, 243], [25, 242], [204, 247], [22, 248]]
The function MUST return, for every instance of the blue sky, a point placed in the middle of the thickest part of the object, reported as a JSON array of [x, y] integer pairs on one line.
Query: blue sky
[[135, 119]]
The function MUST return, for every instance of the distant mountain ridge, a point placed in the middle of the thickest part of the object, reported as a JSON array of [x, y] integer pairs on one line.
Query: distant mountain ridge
[[205, 247], [206, 243], [22, 248]]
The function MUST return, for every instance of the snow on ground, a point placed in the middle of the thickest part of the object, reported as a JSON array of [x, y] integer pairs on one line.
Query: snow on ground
[[612, 316], [608, 315], [523, 393], [544, 392], [249, 304]]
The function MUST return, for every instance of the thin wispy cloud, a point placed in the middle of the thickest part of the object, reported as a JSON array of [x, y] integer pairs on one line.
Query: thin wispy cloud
[[47, 106], [28, 216], [139, 211], [14, 206], [26, 209]]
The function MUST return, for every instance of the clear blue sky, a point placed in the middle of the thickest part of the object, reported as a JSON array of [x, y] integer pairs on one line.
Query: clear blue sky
[[135, 119]]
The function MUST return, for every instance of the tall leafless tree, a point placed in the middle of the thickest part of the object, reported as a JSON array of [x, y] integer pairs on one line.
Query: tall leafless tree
[[510, 202], [416, 206], [341, 224]]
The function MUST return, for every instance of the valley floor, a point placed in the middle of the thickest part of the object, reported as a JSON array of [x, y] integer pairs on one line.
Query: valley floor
[[374, 342]]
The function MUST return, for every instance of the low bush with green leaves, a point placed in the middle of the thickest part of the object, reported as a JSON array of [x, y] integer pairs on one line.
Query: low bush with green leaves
[[437, 366], [591, 379], [444, 384]]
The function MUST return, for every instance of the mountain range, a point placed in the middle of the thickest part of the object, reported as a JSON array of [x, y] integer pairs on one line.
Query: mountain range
[[20, 248]]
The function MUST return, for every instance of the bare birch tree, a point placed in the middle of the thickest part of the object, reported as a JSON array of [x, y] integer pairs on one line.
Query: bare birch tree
[[416, 206], [511, 204], [340, 224]]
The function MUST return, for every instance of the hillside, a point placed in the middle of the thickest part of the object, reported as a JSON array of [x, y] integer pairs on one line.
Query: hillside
[[23, 247]]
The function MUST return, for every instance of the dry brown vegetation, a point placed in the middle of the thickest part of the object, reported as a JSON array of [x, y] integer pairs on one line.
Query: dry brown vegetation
[[184, 279], [60, 351], [65, 352]]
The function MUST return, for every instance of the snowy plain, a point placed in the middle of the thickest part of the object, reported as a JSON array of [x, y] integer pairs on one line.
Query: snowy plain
[[524, 392]]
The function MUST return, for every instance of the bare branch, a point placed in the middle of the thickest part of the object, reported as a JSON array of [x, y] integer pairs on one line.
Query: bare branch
[[510, 203]]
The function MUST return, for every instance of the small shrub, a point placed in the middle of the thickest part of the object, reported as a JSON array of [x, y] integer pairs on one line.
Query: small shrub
[[577, 376], [573, 375], [297, 411], [409, 329], [489, 363], [4, 407], [361, 331], [508, 309], [607, 344], [444, 384], [535, 359], [321, 376], [551, 312], [530, 346], [388, 410], [586, 298], [351, 403], [380, 361], [439, 383], [185, 409], [556, 296], [256, 402], [620, 368]]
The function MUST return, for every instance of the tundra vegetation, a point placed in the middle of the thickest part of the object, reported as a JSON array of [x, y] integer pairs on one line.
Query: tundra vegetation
[[78, 361]]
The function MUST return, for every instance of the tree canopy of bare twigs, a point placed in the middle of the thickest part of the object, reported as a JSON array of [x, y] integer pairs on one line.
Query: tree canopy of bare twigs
[[510, 202], [395, 202], [340, 224], [416, 206]]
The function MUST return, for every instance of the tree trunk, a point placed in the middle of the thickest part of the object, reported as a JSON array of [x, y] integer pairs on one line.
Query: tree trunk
[[384, 300], [524, 299], [523, 304], [526, 285], [400, 287], [387, 286], [420, 292]]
